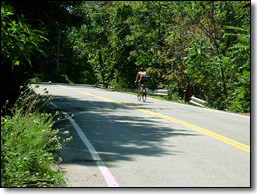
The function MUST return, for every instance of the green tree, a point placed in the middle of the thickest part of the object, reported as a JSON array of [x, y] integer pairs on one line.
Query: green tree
[[210, 21], [19, 42], [50, 17], [238, 59]]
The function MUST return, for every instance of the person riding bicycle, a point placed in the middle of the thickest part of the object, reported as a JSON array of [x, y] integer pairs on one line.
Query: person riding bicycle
[[141, 75]]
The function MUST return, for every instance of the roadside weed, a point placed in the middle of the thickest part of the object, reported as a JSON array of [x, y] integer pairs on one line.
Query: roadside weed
[[29, 145]]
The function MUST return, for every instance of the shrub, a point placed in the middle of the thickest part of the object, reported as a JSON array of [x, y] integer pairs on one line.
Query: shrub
[[29, 145]]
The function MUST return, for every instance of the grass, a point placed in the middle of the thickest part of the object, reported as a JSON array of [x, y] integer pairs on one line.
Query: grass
[[29, 145], [176, 99], [163, 98]]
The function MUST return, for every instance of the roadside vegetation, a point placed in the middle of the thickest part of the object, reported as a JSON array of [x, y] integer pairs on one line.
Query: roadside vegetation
[[29, 145]]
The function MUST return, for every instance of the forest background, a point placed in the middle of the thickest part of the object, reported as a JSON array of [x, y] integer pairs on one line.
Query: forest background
[[205, 43]]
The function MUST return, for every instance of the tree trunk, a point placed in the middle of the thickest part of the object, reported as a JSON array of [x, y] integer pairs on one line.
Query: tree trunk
[[224, 84], [101, 65], [58, 55], [69, 63]]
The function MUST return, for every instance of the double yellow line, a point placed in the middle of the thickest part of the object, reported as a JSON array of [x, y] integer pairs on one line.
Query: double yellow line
[[185, 124]]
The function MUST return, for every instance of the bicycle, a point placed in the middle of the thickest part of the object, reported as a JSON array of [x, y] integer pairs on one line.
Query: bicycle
[[143, 93]]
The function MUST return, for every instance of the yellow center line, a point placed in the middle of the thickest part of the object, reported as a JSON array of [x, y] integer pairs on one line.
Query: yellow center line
[[185, 124]]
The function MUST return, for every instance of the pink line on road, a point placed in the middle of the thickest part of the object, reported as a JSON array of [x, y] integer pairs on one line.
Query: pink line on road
[[102, 167]]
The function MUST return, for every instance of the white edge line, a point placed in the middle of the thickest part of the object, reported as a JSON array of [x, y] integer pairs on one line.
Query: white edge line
[[209, 109], [55, 106], [102, 167]]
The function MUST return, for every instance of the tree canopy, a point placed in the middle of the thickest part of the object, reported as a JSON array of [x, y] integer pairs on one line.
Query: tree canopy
[[204, 42]]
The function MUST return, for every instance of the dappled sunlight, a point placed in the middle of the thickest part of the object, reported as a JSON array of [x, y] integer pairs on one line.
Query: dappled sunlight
[[119, 133]]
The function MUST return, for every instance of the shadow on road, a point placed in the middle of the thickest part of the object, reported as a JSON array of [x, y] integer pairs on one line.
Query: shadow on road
[[116, 132]]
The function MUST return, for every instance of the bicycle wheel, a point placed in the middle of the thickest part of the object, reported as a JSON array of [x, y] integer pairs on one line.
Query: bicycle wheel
[[139, 96], [144, 94]]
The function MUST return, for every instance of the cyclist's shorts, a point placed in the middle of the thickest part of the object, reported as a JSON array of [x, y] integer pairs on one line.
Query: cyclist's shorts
[[143, 82]]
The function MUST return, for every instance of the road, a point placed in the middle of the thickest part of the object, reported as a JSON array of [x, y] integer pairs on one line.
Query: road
[[119, 141]]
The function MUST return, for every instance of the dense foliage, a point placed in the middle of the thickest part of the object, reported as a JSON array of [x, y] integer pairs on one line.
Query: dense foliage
[[28, 41], [204, 42]]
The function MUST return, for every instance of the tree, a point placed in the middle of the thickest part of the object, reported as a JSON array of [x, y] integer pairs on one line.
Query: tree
[[49, 17], [205, 42], [210, 21], [19, 42]]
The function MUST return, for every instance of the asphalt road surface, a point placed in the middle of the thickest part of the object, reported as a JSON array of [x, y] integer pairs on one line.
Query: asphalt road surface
[[121, 142]]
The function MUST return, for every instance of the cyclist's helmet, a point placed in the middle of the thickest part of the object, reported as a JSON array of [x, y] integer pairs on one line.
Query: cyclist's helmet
[[141, 69]]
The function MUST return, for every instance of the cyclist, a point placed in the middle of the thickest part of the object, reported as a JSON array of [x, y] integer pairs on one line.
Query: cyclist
[[141, 75]]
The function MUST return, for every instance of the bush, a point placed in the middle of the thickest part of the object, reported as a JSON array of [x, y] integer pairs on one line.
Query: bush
[[65, 79], [116, 82], [29, 145]]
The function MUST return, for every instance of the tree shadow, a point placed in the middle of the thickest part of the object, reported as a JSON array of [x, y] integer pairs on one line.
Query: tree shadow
[[116, 132]]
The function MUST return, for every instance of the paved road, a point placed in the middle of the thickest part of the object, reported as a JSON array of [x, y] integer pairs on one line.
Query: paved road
[[151, 144]]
